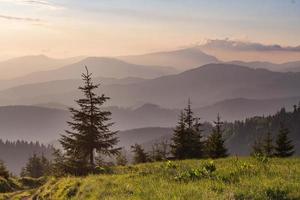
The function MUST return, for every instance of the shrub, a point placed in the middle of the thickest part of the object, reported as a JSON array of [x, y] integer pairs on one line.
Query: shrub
[[72, 191], [103, 170], [241, 196], [170, 165], [276, 194], [193, 174], [5, 186], [32, 182], [209, 168], [261, 158]]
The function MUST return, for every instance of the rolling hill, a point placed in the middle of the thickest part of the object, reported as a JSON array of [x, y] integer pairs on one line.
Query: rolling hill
[[100, 66], [283, 67], [241, 108], [181, 59], [45, 122], [204, 85], [21, 66], [31, 123]]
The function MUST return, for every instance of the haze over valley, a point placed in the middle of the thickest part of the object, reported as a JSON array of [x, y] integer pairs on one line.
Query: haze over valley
[[146, 91]]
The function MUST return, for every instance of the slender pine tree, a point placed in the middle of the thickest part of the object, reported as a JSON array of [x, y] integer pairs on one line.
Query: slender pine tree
[[267, 146], [140, 156], [215, 142], [180, 141], [3, 170], [257, 147], [284, 146], [90, 128], [187, 139]]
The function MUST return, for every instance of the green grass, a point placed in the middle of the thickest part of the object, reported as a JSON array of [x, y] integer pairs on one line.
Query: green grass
[[243, 178]]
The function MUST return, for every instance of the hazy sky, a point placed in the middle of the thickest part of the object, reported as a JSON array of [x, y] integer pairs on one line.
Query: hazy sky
[[116, 27]]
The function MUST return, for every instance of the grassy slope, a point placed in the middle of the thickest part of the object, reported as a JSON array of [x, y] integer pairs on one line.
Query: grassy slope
[[243, 178]]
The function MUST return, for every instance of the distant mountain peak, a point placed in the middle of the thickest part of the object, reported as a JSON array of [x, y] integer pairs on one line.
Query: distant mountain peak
[[182, 59], [148, 106]]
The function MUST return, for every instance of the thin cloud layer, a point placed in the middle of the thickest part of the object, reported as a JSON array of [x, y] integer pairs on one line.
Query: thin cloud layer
[[232, 45], [20, 18], [39, 3]]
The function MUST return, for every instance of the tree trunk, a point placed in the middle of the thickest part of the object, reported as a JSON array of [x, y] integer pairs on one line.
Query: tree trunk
[[92, 157]]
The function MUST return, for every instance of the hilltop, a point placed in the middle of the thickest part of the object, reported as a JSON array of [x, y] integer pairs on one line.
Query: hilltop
[[231, 178]]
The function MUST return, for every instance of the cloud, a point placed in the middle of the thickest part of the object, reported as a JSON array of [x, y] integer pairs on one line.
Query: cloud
[[20, 18], [233, 45], [38, 3]]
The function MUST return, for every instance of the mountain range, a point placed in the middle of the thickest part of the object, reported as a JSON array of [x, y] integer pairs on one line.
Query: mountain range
[[99, 66], [40, 68], [45, 123], [204, 85], [283, 67], [181, 59], [21, 66]]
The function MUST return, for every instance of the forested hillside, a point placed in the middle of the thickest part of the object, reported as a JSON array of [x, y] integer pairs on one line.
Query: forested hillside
[[244, 133], [15, 154]]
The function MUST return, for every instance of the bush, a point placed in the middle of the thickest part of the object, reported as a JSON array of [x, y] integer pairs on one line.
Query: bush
[[103, 170], [193, 174], [276, 194], [170, 165], [209, 168], [5, 186], [261, 158], [72, 191], [32, 182]]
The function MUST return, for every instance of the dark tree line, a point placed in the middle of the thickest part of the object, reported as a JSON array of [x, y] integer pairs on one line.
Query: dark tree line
[[258, 129], [22, 151], [281, 147], [188, 141], [36, 167]]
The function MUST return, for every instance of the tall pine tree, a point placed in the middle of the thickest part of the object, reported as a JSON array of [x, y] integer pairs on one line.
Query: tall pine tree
[[215, 143], [284, 146], [267, 146], [90, 126], [187, 138]]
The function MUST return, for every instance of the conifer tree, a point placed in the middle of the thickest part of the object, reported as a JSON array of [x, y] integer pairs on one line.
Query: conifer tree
[[284, 146], [187, 139], [3, 170], [257, 147], [37, 166], [180, 140], [160, 151], [121, 158], [90, 126], [267, 146], [140, 156], [215, 143]]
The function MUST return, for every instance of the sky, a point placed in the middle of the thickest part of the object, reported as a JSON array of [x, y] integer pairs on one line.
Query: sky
[[64, 28]]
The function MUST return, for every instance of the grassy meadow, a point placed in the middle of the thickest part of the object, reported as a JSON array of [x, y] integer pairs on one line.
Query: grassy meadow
[[230, 178]]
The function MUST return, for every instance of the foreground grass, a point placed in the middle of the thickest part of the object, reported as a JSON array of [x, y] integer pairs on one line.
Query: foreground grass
[[243, 178]]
